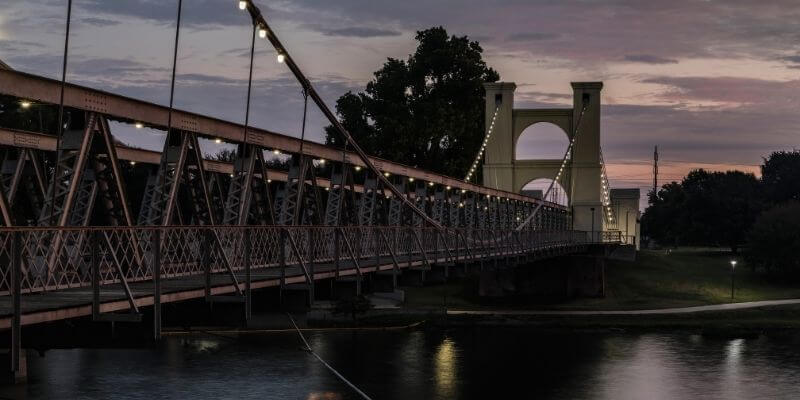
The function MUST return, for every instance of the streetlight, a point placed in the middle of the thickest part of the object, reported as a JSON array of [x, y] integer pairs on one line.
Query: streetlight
[[733, 270]]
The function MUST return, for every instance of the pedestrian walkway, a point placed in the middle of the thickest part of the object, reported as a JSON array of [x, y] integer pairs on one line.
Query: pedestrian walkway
[[681, 310]]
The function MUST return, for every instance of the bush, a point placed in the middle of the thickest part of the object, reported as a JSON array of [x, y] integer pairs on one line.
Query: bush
[[774, 241]]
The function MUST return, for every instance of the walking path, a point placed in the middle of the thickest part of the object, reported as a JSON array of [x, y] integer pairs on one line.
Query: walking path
[[681, 310]]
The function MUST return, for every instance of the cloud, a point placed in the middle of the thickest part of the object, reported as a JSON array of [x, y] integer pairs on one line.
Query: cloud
[[649, 59], [361, 32], [101, 22], [532, 36]]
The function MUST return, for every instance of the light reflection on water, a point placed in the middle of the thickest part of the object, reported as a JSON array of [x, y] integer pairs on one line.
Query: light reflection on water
[[478, 363]]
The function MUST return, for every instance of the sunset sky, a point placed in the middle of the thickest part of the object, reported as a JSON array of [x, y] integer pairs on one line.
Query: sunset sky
[[713, 83]]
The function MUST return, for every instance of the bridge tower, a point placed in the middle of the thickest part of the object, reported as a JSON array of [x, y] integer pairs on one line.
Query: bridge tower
[[501, 169]]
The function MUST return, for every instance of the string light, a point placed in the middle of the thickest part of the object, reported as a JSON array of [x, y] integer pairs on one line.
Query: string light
[[281, 58], [483, 146], [242, 5], [262, 33]]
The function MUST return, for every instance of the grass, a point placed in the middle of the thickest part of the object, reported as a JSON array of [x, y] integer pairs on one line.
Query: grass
[[683, 278]]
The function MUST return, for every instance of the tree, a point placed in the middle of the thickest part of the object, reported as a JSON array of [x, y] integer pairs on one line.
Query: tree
[[664, 220], [775, 238], [780, 174], [427, 111], [706, 208]]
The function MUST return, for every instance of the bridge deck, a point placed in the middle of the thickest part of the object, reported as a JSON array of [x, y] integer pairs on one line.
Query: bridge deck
[[49, 306]]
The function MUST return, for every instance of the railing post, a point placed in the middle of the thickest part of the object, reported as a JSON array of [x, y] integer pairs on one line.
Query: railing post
[[247, 263], [95, 274], [312, 236], [16, 323], [282, 243], [206, 260], [336, 249], [155, 247]]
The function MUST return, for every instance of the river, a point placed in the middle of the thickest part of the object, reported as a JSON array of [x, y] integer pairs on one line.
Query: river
[[464, 363]]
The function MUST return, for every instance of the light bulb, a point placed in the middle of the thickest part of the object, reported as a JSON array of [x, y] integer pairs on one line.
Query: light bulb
[[276, 151], [242, 5], [281, 58], [139, 125], [386, 174], [411, 179], [25, 104], [358, 168], [133, 162], [322, 161], [217, 140], [262, 33]]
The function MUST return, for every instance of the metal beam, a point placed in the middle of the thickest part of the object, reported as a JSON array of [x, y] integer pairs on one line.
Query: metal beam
[[47, 90]]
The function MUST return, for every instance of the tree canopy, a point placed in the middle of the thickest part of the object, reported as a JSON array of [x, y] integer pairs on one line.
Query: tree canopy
[[706, 208], [775, 238], [426, 111], [780, 174]]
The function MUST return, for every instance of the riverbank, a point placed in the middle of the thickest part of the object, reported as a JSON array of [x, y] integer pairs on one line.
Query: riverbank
[[655, 281], [681, 278]]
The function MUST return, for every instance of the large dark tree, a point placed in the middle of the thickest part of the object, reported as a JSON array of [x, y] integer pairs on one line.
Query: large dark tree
[[775, 238], [427, 111], [780, 174], [706, 208]]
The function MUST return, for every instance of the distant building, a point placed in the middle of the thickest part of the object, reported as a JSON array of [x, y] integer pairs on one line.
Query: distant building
[[625, 205]]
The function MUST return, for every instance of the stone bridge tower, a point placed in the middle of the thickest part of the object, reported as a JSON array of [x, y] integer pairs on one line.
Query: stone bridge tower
[[502, 170]]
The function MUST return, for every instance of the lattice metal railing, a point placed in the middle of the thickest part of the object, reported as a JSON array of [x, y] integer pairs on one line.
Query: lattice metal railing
[[123, 255]]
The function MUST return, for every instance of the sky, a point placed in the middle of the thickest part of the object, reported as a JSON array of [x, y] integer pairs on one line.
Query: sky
[[713, 83]]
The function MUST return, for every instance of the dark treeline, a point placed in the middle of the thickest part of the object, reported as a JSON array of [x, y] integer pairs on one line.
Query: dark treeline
[[736, 210]]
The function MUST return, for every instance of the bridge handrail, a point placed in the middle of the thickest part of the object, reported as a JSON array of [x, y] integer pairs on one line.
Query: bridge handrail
[[120, 255]]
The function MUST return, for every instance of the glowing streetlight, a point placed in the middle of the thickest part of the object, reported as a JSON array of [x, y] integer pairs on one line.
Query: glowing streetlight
[[733, 271]]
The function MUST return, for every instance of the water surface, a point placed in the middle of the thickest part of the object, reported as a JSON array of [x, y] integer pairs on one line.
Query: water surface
[[471, 363]]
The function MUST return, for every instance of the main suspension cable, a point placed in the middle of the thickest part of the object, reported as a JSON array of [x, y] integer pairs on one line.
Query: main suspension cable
[[163, 182], [474, 165], [284, 57], [56, 171], [335, 372], [560, 169]]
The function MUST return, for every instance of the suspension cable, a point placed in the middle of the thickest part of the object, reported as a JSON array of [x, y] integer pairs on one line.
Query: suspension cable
[[171, 101], [249, 88], [335, 372], [284, 57], [606, 189], [61, 110], [560, 169], [483, 147], [305, 113]]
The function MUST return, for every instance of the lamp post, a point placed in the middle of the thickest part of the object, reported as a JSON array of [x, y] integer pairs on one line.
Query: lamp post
[[592, 224], [733, 270]]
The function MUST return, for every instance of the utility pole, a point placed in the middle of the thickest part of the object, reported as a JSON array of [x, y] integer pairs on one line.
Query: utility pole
[[655, 171]]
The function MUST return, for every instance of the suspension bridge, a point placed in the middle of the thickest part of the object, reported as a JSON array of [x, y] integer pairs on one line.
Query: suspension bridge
[[78, 242]]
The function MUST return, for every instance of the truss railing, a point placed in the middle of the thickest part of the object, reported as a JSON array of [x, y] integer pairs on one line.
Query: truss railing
[[95, 256]]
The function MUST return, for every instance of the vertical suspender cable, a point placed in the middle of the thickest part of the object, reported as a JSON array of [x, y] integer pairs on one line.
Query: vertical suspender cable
[[171, 95], [61, 110], [249, 86]]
